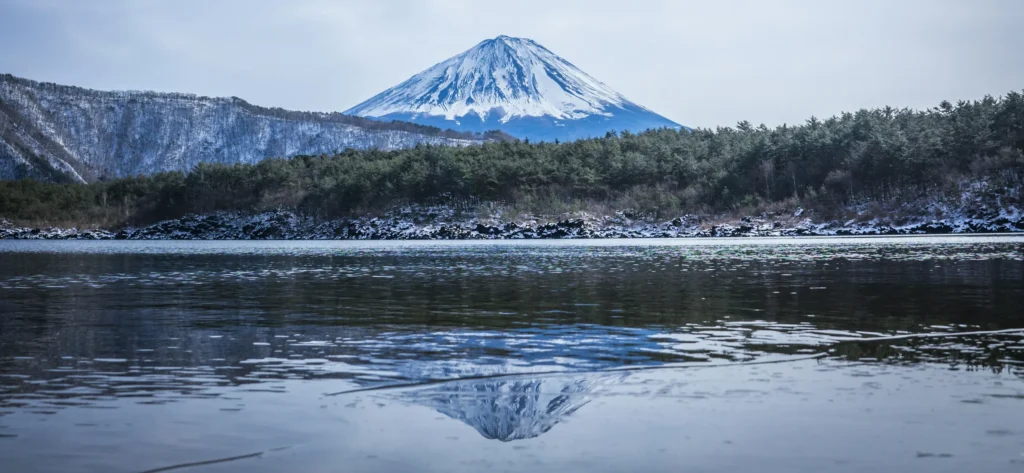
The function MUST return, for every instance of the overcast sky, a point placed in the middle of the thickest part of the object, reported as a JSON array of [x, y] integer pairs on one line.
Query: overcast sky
[[702, 64]]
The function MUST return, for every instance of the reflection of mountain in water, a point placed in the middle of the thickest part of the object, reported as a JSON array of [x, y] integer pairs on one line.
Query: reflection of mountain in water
[[509, 410]]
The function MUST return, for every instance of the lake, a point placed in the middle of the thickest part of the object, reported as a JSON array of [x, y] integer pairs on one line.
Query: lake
[[790, 355]]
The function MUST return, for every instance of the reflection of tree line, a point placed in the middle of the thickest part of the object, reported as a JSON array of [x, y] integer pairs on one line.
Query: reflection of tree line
[[633, 291], [997, 353], [623, 291]]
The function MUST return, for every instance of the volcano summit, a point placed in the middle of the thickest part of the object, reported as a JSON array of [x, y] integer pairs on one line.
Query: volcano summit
[[517, 86]]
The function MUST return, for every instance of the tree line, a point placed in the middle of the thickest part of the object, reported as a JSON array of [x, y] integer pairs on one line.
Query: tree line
[[876, 154]]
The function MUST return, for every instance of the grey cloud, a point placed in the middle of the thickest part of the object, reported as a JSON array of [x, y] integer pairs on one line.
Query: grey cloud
[[699, 63]]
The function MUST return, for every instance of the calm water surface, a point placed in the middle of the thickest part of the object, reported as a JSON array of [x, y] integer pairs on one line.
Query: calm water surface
[[789, 355]]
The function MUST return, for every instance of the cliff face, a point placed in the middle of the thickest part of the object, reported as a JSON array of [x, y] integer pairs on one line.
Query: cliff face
[[62, 133]]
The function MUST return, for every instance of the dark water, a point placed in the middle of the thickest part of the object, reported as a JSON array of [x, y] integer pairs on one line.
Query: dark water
[[757, 355]]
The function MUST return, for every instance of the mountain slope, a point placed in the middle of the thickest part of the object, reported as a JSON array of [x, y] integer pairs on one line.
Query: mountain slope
[[517, 86], [62, 133]]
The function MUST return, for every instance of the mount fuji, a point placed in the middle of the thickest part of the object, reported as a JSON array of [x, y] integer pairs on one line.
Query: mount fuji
[[514, 85]]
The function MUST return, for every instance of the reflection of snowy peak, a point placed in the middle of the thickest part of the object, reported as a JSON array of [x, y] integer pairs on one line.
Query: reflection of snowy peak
[[508, 410], [512, 84]]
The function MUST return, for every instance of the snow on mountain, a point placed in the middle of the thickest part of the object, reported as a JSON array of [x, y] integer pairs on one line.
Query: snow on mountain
[[515, 85], [64, 133]]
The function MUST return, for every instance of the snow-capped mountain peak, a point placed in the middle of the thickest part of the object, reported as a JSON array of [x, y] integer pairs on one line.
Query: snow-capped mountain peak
[[513, 84]]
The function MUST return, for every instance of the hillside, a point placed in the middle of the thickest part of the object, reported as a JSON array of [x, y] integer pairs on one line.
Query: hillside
[[69, 134]]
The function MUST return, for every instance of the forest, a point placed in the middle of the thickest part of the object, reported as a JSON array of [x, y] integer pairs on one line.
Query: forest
[[884, 154]]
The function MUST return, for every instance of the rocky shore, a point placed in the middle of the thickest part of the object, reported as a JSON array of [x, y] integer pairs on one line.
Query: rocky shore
[[442, 223]]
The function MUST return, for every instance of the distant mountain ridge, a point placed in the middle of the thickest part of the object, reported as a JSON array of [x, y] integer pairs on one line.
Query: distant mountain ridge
[[515, 85], [70, 134]]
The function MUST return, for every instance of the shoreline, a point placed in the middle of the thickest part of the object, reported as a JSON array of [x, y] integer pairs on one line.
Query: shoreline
[[444, 224], [906, 236]]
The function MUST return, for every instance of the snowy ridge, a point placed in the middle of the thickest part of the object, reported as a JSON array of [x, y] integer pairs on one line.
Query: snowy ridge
[[64, 133], [503, 80]]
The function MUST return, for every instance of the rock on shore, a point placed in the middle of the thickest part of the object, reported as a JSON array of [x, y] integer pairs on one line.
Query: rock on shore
[[443, 223]]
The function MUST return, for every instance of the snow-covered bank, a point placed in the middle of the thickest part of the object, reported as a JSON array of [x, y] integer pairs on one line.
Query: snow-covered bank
[[444, 223]]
